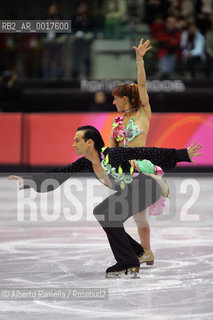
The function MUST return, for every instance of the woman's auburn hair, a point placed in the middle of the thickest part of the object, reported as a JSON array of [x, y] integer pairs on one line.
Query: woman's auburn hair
[[130, 91]]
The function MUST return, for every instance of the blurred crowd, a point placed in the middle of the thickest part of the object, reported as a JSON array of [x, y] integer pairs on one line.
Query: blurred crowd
[[181, 33]]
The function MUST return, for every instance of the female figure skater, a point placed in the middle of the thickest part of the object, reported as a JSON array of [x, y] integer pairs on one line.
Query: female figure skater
[[130, 130]]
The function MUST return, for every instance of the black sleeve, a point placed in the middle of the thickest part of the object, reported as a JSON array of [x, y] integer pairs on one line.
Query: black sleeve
[[165, 158], [51, 179], [182, 155]]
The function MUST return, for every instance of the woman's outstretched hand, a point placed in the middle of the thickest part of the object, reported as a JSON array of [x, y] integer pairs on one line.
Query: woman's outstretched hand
[[142, 48], [192, 151]]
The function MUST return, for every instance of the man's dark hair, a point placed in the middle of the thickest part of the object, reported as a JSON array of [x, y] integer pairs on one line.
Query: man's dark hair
[[92, 133]]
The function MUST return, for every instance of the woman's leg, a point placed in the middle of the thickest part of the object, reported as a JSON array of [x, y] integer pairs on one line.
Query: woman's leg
[[143, 229], [144, 235]]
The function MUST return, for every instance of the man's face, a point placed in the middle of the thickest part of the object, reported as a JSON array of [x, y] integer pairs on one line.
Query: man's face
[[81, 147]]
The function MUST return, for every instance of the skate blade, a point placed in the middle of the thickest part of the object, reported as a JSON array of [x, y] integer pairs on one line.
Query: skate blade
[[130, 273], [133, 273], [116, 274]]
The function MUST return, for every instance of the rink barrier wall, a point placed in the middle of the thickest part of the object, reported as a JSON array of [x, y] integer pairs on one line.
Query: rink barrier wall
[[39, 140]]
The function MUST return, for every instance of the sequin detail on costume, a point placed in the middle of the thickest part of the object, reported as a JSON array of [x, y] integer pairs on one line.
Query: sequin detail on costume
[[131, 131], [117, 129], [119, 176]]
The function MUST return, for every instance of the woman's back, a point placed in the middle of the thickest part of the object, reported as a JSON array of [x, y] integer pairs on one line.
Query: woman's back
[[133, 129]]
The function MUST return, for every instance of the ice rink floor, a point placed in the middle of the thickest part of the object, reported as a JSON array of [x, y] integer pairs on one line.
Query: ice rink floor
[[64, 255]]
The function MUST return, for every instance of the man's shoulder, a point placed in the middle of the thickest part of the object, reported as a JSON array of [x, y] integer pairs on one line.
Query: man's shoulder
[[81, 160], [80, 164]]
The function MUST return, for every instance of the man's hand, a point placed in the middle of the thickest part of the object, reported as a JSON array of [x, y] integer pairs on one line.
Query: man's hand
[[192, 151], [19, 179]]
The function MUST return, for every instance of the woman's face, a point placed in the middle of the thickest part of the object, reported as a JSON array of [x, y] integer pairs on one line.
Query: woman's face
[[120, 103]]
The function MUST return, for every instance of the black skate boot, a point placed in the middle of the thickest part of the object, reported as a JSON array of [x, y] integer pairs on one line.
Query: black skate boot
[[123, 269]]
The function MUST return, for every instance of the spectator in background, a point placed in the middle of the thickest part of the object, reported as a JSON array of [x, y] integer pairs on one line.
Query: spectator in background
[[100, 101], [11, 51], [30, 45], [157, 26], [182, 24], [82, 29], [97, 102], [97, 16], [153, 10], [53, 45], [192, 45], [115, 12], [2, 51], [204, 9], [209, 50], [10, 92], [174, 11], [167, 37], [187, 10]]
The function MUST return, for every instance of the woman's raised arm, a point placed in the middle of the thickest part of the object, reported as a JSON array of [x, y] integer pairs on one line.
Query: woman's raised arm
[[141, 75]]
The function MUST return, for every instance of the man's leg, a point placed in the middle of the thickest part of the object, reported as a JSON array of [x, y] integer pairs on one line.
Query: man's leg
[[121, 246], [124, 248], [145, 191]]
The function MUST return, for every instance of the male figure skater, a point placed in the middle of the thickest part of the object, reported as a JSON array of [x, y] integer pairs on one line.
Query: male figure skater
[[134, 192]]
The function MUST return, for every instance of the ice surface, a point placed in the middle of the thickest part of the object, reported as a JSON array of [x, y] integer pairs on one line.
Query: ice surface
[[39, 255]]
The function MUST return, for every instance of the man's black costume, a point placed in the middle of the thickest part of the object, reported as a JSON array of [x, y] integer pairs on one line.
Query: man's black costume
[[139, 193]]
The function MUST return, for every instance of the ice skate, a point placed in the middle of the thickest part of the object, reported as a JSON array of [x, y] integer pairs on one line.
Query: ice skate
[[147, 257], [118, 270]]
